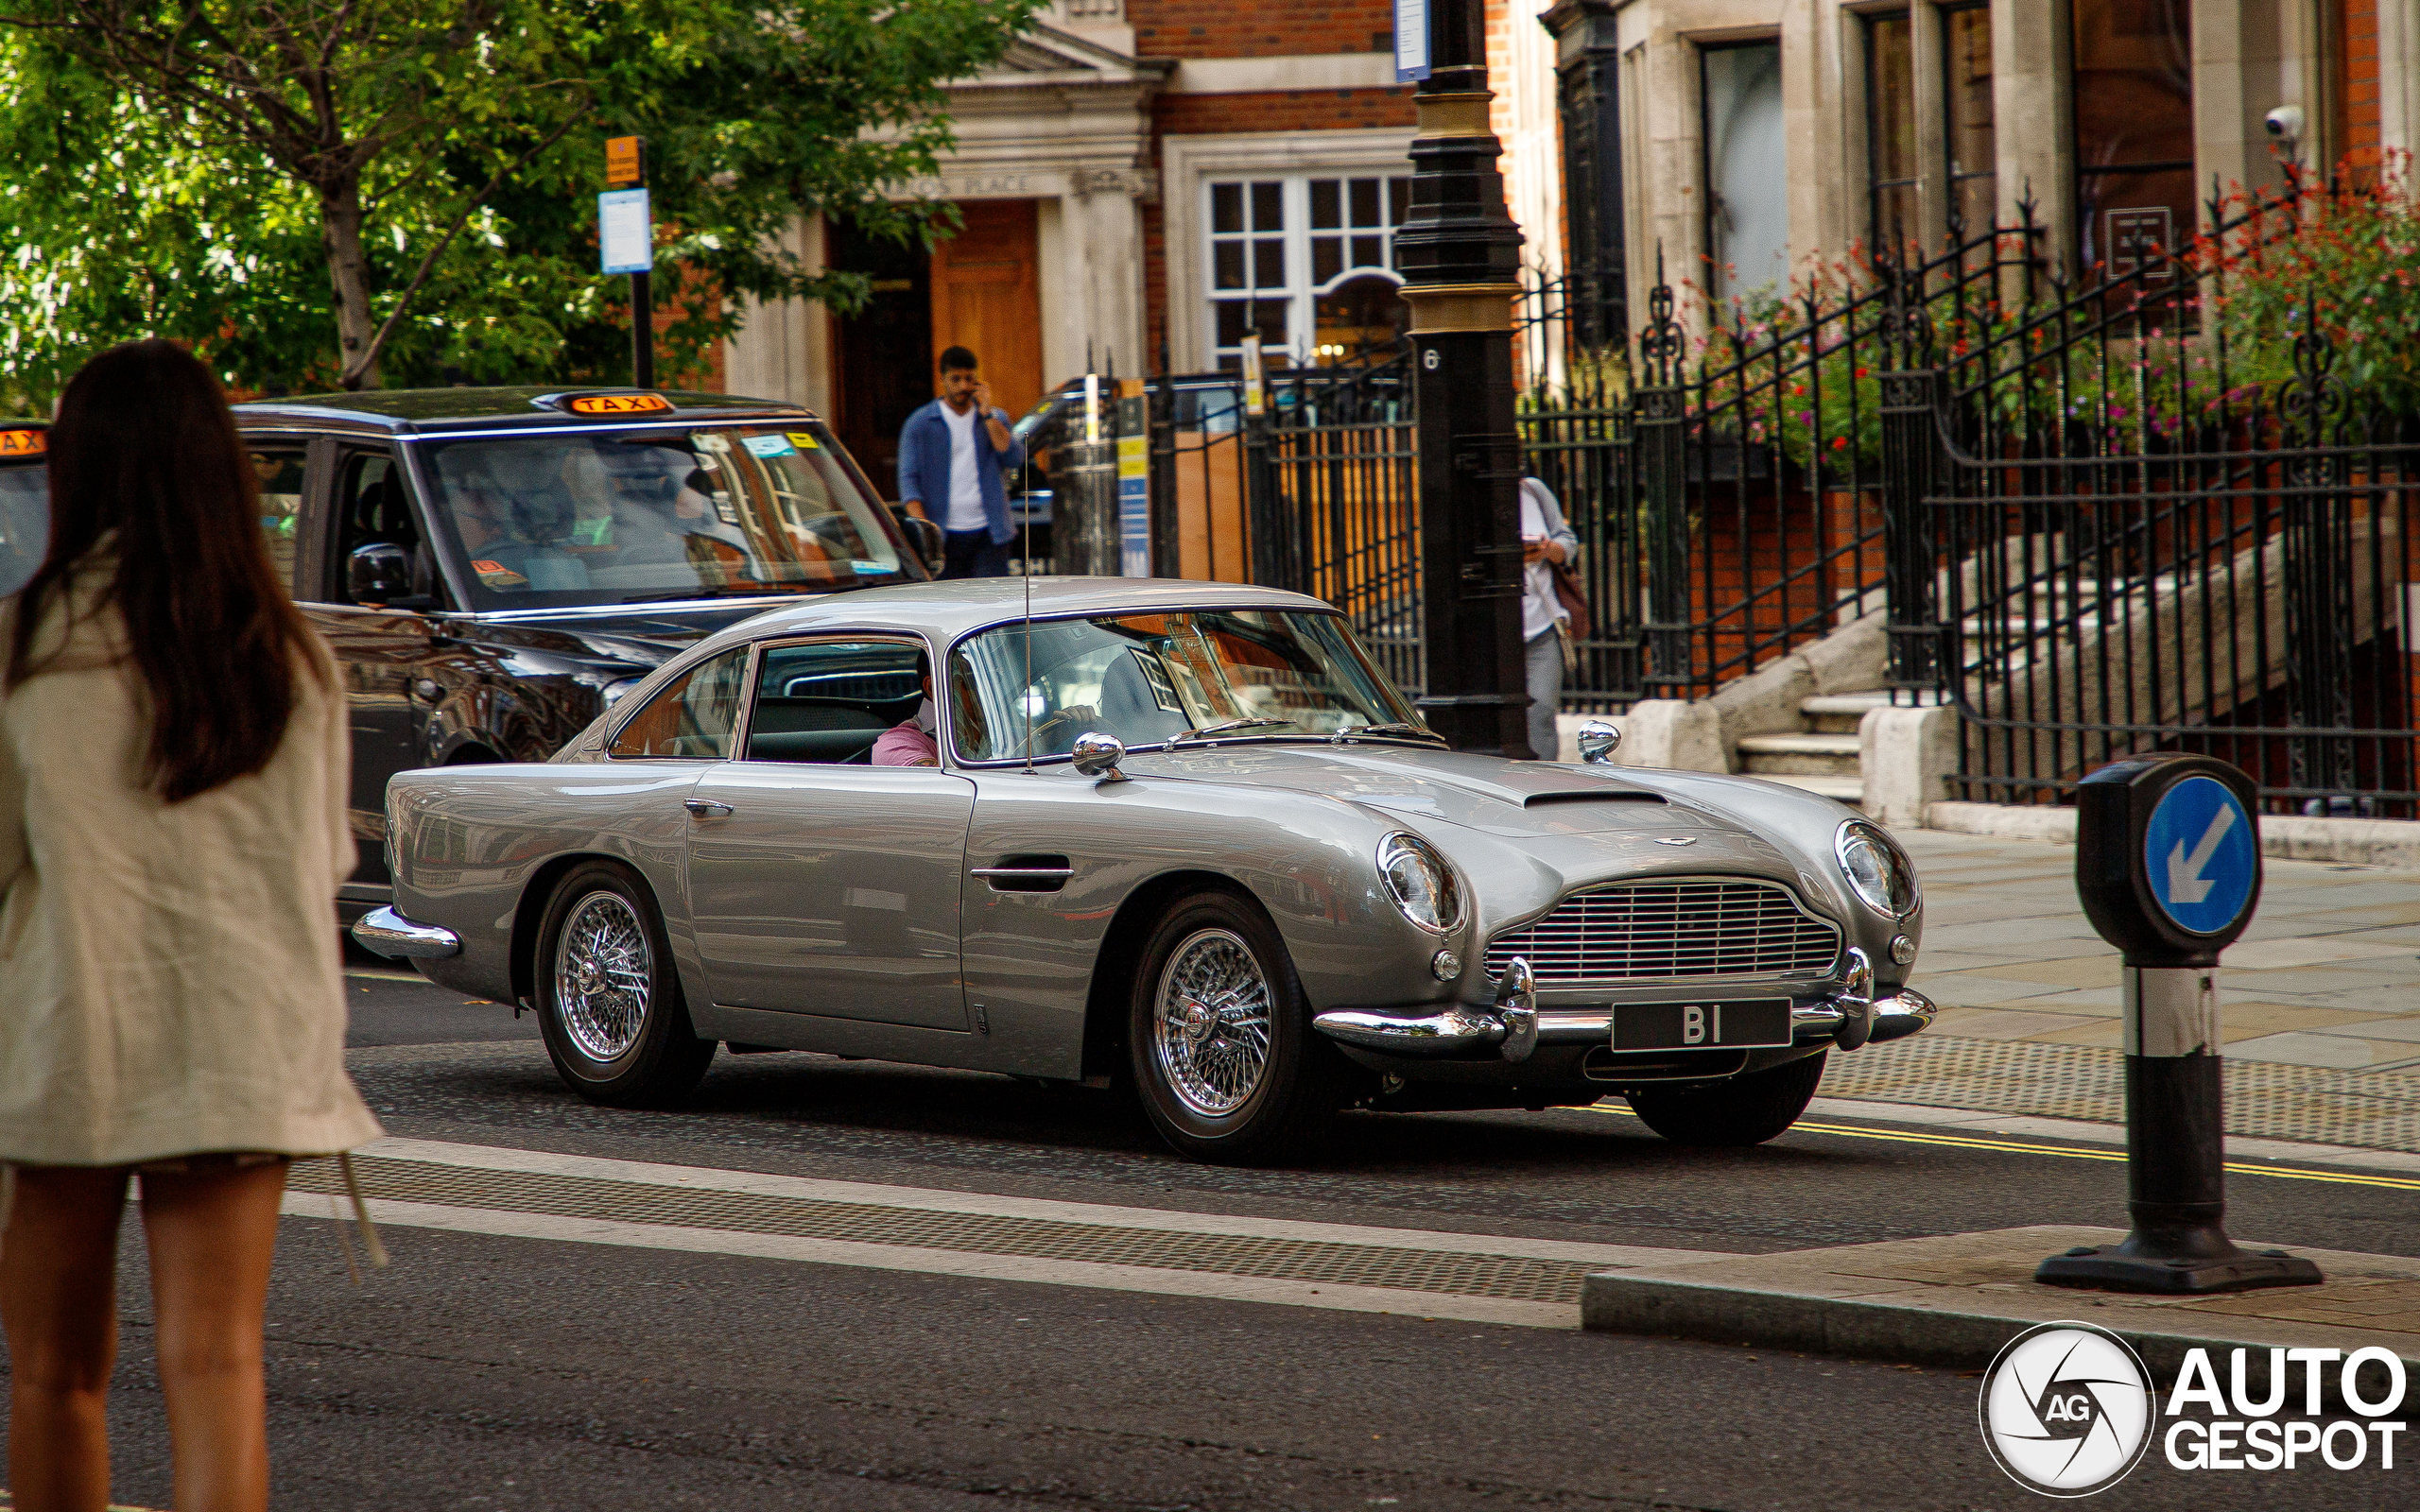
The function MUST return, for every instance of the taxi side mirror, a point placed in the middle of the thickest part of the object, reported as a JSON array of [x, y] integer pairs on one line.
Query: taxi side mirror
[[379, 573], [1597, 741]]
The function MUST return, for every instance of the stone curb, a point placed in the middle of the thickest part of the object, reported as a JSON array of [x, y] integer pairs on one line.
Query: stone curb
[[2393, 843], [1964, 1330]]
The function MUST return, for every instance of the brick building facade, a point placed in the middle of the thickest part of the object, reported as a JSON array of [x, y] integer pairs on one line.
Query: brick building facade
[[1143, 182]]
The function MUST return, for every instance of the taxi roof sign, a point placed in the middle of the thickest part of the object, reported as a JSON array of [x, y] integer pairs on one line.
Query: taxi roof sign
[[22, 440], [639, 404], [624, 161]]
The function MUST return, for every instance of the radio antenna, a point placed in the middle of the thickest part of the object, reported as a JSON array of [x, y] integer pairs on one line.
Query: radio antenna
[[1025, 570]]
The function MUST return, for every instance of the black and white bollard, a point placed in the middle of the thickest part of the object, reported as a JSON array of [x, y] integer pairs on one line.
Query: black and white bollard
[[2168, 865]]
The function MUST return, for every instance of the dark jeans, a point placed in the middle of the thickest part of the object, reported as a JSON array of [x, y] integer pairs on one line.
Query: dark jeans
[[973, 554]]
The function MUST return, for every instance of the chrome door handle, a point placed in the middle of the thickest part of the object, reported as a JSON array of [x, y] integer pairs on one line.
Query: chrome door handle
[[705, 808]]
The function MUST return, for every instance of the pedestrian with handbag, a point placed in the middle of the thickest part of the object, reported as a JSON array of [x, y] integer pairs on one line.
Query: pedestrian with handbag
[[173, 825], [1553, 613]]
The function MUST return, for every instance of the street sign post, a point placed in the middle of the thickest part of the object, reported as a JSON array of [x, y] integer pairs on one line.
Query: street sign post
[[626, 243], [2168, 867]]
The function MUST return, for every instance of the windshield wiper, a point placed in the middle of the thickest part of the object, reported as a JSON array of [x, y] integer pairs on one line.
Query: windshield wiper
[[1403, 728], [1200, 732]]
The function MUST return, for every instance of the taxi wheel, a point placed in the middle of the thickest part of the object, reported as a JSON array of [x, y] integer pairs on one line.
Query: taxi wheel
[[1747, 1109], [1219, 1038], [609, 1001]]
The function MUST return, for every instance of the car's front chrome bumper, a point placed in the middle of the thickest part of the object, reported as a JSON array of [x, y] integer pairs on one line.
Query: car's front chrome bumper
[[391, 935], [1515, 1026]]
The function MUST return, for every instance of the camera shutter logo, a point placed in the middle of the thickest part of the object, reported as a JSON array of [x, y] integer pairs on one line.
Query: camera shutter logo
[[2067, 1409]]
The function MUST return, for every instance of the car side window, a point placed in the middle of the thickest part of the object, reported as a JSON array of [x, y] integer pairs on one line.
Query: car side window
[[279, 471], [693, 716], [828, 701]]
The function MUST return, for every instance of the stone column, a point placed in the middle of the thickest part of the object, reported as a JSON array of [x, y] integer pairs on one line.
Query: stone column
[[2033, 121], [2399, 75], [2243, 69]]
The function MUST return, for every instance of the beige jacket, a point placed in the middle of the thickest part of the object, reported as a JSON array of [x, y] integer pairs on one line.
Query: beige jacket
[[171, 981]]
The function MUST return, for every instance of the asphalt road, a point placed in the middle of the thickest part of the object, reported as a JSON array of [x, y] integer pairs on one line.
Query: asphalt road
[[496, 1372]]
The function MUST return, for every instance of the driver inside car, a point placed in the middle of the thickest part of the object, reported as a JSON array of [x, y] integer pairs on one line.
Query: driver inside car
[[911, 742]]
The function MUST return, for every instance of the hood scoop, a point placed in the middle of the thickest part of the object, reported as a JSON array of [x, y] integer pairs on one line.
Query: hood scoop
[[1595, 795]]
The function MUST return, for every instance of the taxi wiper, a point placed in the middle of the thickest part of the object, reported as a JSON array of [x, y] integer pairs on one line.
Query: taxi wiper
[[1201, 731], [1403, 728]]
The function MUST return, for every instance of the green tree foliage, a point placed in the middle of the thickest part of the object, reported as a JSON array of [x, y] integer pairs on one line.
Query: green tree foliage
[[332, 192]]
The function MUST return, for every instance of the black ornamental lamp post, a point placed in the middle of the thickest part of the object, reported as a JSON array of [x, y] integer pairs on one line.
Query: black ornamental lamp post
[[1458, 253]]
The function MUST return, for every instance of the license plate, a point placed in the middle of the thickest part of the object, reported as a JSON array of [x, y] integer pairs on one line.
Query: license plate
[[1730, 1023]]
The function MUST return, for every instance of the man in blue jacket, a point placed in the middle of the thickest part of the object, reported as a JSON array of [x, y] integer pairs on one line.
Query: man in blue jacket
[[952, 454]]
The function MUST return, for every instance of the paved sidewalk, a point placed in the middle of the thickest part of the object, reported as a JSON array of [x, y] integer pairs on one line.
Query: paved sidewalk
[[1954, 1299], [2321, 998]]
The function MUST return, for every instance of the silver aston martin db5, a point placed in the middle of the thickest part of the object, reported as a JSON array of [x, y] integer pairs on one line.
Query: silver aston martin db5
[[1180, 836]]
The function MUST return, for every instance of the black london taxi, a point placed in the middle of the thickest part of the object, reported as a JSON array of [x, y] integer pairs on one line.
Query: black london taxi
[[493, 567]]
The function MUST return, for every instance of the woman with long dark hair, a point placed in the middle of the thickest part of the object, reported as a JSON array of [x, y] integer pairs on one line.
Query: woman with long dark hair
[[173, 778]]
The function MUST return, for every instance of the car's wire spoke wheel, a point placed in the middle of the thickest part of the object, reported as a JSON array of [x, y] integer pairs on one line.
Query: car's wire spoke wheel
[[1210, 1023], [604, 976]]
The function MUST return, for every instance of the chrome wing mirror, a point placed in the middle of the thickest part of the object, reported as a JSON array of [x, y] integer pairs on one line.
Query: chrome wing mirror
[[1599, 740], [1098, 755]]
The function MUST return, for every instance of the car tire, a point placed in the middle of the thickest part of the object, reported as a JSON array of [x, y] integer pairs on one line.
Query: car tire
[[609, 1000], [1747, 1109], [1220, 1040]]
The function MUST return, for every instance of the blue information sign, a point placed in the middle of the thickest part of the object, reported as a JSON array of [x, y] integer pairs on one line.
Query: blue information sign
[[2200, 855]]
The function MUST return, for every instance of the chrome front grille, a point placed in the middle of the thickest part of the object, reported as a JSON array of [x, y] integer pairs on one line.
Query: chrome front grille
[[1700, 927]]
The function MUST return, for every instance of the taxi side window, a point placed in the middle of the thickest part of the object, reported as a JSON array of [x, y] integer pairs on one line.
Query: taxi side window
[[691, 716], [372, 510], [279, 472]]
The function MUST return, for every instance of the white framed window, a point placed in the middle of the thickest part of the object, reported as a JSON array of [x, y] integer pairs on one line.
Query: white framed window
[[1306, 260]]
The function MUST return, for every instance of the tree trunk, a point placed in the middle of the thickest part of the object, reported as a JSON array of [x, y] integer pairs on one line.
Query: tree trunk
[[340, 216]]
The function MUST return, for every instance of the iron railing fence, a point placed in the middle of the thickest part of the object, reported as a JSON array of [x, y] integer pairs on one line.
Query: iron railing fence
[[1726, 474], [1334, 484], [2116, 530]]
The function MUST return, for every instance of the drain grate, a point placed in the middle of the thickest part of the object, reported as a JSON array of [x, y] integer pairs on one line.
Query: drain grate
[[1511, 1277], [2373, 1110]]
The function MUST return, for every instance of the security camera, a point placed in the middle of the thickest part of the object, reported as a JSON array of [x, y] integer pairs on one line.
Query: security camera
[[2285, 123]]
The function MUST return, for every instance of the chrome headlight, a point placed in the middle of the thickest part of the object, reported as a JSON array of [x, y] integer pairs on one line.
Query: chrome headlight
[[1421, 883], [1878, 871]]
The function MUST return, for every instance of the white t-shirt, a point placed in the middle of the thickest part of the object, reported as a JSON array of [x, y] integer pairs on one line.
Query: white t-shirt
[[1540, 608], [965, 484]]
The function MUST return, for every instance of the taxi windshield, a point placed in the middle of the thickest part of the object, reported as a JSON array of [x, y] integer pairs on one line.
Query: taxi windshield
[[1151, 678], [24, 524], [632, 515]]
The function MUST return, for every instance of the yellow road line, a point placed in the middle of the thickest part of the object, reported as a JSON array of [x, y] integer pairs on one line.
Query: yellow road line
[[1965, 1142]]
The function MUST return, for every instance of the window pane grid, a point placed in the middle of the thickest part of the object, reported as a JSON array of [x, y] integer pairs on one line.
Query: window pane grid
[[1294, 259]]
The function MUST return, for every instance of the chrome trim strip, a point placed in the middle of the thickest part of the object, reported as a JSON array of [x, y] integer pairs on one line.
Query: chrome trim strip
[[1463, 1030], [1454, 1031], [1517, 1004], [1895, 1018], [1022, 871], [390, 934]]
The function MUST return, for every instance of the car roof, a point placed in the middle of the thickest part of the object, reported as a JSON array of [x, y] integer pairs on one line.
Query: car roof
[[946, 611], [421, 411]]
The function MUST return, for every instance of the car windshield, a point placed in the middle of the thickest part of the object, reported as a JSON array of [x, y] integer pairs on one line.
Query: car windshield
[[24, 524], [1148, 678], [552, 518]]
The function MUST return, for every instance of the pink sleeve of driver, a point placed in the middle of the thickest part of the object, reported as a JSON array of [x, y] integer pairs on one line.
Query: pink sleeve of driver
[[904, 745]]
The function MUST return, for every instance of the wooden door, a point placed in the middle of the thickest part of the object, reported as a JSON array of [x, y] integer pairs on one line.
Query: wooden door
[[987, 298]]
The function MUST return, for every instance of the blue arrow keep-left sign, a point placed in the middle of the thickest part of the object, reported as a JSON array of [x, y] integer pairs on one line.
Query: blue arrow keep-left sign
[[2201, 854]]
